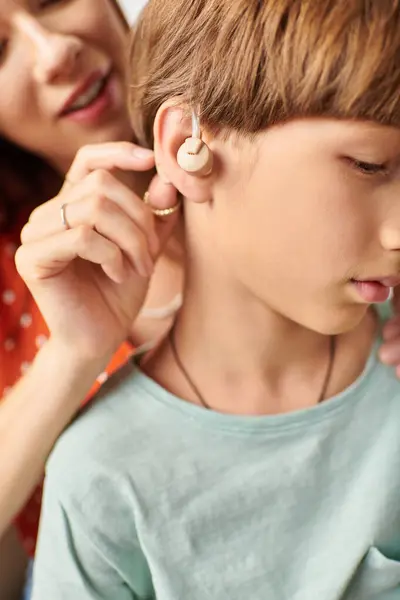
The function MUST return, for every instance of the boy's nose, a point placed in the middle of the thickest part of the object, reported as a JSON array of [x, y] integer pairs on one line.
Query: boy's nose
[[390, 236], [55, 54]]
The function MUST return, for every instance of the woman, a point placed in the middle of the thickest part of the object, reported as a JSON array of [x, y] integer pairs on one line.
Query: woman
[[63, 66]]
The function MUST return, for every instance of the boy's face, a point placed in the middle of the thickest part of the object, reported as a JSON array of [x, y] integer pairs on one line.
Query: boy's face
[[296, 219]]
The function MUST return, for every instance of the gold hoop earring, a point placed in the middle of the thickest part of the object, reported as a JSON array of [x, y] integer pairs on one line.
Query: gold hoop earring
[[161, 212]]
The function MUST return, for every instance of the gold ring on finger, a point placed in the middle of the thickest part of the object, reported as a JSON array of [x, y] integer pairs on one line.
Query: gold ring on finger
[[161, 212]]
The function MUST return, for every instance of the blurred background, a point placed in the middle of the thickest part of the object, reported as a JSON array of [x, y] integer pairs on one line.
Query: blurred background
[[132, 7]]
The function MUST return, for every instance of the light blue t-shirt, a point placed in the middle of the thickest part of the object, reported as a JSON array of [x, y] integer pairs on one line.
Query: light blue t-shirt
[[148, 496]]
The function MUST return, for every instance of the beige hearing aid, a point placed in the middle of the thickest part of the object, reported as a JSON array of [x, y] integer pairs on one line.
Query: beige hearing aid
[[194, 156]]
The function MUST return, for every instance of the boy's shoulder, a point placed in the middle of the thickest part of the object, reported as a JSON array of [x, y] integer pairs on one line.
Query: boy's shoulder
[[88, 499], [99, 439]]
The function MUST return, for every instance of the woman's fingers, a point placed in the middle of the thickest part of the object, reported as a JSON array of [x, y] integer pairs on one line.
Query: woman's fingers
[[47, 258], [163, 196], [96, 201], [389, 352], [113, 224], [88, 204], [85, 203], [391, 329], [115, 155], [396, 300], [106, 218]]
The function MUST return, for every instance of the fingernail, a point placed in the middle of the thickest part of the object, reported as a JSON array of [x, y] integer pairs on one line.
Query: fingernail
[[140, 152]]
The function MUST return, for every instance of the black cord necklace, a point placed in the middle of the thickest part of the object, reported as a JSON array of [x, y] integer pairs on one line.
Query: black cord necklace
[[202, 400]]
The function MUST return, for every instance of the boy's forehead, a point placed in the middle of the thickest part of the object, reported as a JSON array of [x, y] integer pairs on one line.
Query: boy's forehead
[[314, 137], [350, 130], [367, 133]]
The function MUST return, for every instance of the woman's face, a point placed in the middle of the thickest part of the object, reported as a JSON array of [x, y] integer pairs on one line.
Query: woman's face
[[62, 72]]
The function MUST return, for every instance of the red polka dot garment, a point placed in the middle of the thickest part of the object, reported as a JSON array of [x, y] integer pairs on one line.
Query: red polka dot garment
[[22, 332]]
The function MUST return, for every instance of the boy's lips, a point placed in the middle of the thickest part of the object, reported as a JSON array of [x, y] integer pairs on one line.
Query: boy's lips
[[375, 290]]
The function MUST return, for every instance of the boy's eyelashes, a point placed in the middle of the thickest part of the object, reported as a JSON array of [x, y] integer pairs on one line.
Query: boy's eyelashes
[[368, 168]]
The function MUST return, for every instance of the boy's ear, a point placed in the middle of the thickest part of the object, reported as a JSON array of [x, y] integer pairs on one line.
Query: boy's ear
[[172, 126]]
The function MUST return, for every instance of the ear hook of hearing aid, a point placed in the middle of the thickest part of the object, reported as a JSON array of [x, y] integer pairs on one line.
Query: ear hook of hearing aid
[[194, 156], [196, 133]]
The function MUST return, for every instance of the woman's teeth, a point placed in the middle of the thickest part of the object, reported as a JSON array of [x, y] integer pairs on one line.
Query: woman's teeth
[[88, 97]]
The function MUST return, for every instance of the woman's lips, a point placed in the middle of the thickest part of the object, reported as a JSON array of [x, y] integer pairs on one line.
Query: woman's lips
[[93, 112], [374, 291]]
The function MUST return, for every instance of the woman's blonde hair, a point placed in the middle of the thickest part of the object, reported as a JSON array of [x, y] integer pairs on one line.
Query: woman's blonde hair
[[249, 64]]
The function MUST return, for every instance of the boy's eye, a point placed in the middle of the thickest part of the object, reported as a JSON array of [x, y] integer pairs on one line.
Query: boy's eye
[[368, 168], [45, 3]]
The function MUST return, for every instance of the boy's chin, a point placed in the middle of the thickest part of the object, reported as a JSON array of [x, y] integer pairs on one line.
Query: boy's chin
[[337, 321]]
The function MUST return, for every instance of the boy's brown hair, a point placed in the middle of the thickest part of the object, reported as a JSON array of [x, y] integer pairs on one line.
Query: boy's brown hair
[[248, 64]]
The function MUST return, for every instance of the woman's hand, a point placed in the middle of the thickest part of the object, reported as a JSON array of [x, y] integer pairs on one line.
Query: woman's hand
[[90, 278], [390, 350]]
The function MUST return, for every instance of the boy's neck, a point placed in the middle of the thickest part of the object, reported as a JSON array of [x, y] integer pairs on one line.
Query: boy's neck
[[245, 358]]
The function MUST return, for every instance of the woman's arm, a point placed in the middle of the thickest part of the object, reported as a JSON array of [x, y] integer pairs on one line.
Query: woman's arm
[[32, 417], [89, 280]]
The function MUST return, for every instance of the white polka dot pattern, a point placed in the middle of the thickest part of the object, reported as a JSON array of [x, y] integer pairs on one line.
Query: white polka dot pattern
[[9, 344], [8, 297], [25, 320]]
